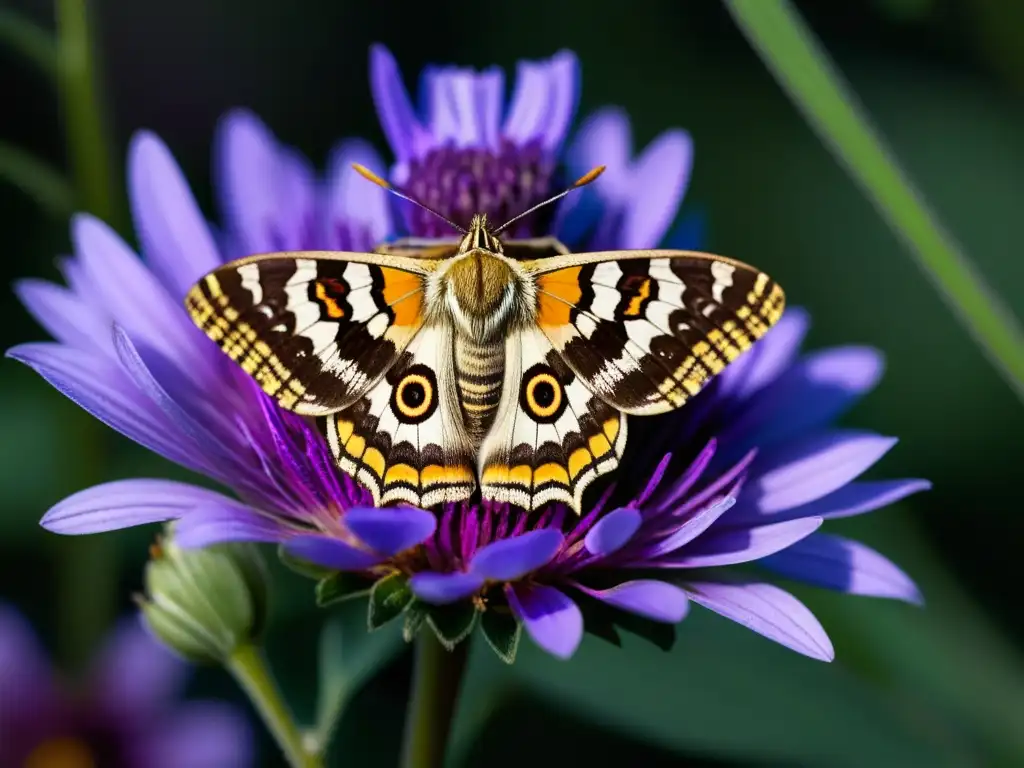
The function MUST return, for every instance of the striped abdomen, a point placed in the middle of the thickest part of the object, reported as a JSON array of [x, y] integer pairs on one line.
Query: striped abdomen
[[479, 370]]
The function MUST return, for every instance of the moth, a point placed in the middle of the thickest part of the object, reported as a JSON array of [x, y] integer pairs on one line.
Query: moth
[[437, 367]]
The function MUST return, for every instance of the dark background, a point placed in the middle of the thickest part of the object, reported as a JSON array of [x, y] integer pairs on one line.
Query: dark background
[[942, 79]]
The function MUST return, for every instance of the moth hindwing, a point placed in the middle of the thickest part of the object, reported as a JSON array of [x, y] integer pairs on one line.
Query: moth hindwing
[[443, 367]]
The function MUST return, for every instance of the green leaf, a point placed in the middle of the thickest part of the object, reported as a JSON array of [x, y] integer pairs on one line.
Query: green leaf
[[803, 68], [452, 623], [341, 586], [32, 42], [388, 598], [302, 567], [415, 615], [502, 633]]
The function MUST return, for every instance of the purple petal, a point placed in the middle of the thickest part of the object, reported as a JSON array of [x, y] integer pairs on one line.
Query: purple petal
[[564, 89], [397, 117], [198, 734], [838, 563], [25, 675], [553, 620], [490, 93], [658, 179], [807, 469], [66, 316], [330, 553], [510, 559], [126, 503], [543, 100], [767, 610], [353, 203], [131, 294], [729, 547], [612, 531], [444, 588], [453, 114], [651, 599], [693, 527], [852, 499], [172, 230], [226, 521], [246, 162], [134, 676], [769, 358], [390, 530], [102, 388], [605, 139]]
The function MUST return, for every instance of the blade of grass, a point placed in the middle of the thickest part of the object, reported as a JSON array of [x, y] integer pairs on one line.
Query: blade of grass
[[804, 70], [44, 184], [30, 41]]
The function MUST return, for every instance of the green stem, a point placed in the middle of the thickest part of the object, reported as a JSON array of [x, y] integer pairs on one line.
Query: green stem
[[89, 146], [802, 67], [249, 668], [437, 677]]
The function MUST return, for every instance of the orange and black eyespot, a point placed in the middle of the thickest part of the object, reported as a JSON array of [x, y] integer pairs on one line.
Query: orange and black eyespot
[[542, 396], [414, 398]]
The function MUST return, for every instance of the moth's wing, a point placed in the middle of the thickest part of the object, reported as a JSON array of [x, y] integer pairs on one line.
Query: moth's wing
[[405, 441], [314, 329], [647, 330], [551, 436], [529, 249], [427, 248]]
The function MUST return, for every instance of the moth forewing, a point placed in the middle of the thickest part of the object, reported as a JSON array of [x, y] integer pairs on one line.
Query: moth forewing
[[563, 260]]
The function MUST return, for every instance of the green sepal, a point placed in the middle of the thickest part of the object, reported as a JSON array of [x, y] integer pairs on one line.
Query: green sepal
[[415, 615], [339, 586], [502, 631], [452, 623], [388, 598], [302, 567]]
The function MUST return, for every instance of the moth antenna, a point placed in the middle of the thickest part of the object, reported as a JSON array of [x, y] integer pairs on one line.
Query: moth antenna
[[369, 175], [582, 181]]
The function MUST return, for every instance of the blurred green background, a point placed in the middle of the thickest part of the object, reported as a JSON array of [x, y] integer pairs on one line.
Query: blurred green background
[[941, 79]]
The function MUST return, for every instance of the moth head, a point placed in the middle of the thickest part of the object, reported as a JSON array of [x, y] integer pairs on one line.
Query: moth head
[[480, 237]]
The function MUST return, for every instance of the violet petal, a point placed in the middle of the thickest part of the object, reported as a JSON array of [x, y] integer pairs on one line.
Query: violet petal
[[353, 202], [510, 559], [838, 563], [198, 734], [731, 546], [134, 676], [769, 358], [808, 469], [220, 523], [330, 553], [394, 109], [444, 588], [612, 531], [66, 316], [694, 526], [553, 620], [767, 610], [390, 530], [658, 180], [174, 236], [652, 599], [126, 503]]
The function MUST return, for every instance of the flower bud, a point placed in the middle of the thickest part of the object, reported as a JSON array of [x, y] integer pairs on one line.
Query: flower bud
[[205, 603]]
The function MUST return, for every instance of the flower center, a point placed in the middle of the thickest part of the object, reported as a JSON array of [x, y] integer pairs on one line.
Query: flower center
[[500, 183], [61, 753]]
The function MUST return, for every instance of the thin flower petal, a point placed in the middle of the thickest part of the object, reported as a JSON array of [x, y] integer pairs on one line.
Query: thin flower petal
[[353, 204], [838, 563], [66, 316], [693, 527], [553, 620], [126, 503], [198, 734], [171, 228], [658, 179], [397, 117], [612, 531], [226, 521], [134, 677], [604, 138], [729, 547], [26, 678], [852, 499], [767, 610], [652, 599], [768, 359], [444, 588], [390, 530], [807, 469], [564, 86], [512, 558], [330, 553]]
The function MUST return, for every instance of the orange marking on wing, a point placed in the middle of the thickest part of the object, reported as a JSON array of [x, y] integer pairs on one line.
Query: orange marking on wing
[[643, 292], [559, 292], [333, 310], [398, 284]]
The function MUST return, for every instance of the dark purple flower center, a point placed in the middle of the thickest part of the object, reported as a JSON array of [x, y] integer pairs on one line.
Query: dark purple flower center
[[501, 183]]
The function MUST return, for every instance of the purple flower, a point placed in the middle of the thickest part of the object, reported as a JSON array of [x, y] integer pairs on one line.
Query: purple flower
[[759, 439], [122, 717]]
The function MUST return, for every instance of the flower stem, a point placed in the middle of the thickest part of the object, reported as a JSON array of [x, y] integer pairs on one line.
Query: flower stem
[[437, 677], [249, 668], [803, 68]]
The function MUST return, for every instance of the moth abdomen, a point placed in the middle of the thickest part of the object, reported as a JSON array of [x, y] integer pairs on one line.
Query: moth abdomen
[[479, 372]]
